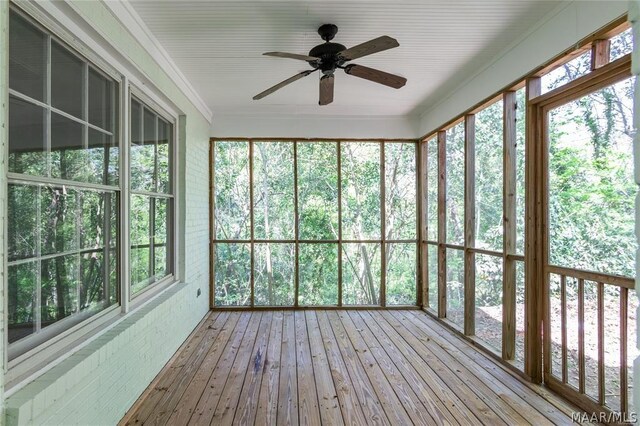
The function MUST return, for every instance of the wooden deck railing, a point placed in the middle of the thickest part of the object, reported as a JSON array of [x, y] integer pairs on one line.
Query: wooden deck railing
[[603, 398]]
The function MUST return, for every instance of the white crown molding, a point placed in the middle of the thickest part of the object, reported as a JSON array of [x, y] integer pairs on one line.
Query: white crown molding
[[125, 13]]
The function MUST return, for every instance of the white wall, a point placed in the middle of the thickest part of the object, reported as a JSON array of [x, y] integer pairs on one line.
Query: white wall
[[562, 29], [314, 127], [98, 383]]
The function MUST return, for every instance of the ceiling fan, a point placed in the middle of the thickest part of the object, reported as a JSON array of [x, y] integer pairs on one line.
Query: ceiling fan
[[328, 56]]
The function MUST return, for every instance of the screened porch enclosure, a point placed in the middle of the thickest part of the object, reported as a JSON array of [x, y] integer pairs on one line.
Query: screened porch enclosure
[[512, 224]]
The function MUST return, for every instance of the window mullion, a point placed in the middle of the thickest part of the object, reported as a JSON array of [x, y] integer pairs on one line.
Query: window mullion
[[125, 200]]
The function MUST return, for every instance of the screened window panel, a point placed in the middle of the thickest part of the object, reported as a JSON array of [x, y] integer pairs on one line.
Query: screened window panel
[[318, 190], [400, 191], [22, 303], [591, 187], [455, 185], [488, 177], [231, 185], [318, 274], [432, 251], [273, 190], [232, 274], [360, 173], [401, 277], [455, 286], [274, 274], [489, 292], [360, 273], [432, 189]]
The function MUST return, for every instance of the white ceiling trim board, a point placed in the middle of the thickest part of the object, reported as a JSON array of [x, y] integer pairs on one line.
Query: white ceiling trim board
[[130, 19]]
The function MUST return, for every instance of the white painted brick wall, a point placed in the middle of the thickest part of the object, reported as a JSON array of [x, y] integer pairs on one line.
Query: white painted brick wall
[[634, 17]]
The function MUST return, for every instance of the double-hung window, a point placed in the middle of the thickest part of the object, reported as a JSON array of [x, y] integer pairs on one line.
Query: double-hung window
[[64, 187], [70, 169]]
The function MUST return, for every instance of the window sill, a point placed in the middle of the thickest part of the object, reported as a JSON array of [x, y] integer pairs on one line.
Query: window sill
[[30, 365]]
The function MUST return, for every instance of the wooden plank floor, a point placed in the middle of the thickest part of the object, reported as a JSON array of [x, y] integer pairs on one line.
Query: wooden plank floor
[[337, 367]]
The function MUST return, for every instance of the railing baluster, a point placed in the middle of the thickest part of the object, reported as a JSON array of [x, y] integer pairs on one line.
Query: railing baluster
[[624, 296], [563, 324], [601, 387], [581, 335]]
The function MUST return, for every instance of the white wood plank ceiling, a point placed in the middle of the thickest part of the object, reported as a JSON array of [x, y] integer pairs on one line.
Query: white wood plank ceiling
[[218, 45]]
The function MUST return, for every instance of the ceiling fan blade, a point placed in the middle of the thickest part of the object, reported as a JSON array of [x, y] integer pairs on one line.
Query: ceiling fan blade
[[280, 85], [369, 47], [292, 56], [326, 89], [376, 76]]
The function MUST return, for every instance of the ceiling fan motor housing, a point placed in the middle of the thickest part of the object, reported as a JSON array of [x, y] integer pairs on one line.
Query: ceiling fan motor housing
[[328, 51]]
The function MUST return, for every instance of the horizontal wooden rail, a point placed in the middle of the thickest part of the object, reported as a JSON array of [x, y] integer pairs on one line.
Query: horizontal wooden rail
[[617, 280]]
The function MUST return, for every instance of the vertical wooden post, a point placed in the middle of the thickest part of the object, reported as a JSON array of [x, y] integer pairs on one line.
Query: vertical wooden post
[[423, 258], [383, 229], [252, 228], [533, 273], [581, 357], [601, 376], [624, 386], [509, 224], [212, 224], [600, 53], [469, 225], [442, 224], [296, 227], [339, 165]]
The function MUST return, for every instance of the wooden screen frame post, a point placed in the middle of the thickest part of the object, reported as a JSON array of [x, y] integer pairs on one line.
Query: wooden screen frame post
[[533, 288], [469, 224], [509, 188], [423, 258], [442, 224]]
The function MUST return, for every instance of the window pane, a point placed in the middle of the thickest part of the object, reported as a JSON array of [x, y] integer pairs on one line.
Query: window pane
[[27, 144], [432, 189], [488, 313], [621, 45], [401, 274], [591, 186], [22, 281], [140, 232], [318, 274], [273, 190], [612, 344], [566, 73], [360, 163], [161, 240], [69, 159], [59, 292], [103, 157], [101, 100], [433, 276], [455, 185], [164, 154], [22, 206], [400, 190], [232, 274], [67, 81], [27, 58], [60, 217], [360, 274], [455, 287], [488, 177], [318, 190], [231, 184], [521, 116], [274, 274], [142, 150]]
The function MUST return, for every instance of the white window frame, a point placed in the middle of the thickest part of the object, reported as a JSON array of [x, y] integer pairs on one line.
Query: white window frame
[[52, 348]]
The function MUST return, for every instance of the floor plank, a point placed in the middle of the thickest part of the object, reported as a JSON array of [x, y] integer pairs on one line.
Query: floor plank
[[353, 367]]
